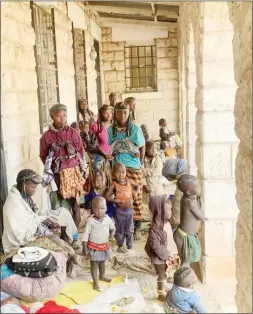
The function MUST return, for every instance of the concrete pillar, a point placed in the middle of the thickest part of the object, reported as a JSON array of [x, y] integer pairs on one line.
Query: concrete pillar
[[216, 143], [241, 18]]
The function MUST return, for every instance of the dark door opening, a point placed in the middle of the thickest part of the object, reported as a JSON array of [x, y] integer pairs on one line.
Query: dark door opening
[[97, 68]]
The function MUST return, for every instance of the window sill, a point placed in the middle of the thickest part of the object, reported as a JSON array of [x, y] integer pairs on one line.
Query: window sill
[[143, 95]]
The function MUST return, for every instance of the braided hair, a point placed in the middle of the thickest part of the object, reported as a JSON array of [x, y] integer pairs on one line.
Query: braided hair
[[99, 122], [128, 101], [121, 105], [181, 274], [80, 101]]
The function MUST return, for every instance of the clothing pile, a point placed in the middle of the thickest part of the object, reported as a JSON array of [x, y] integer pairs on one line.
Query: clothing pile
[[33, 262]]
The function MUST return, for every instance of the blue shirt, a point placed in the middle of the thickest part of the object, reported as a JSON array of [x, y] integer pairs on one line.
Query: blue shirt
[[136, 136]]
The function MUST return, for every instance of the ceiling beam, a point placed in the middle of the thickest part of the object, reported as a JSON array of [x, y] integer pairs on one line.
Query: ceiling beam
[[114, 22], [131, 10]]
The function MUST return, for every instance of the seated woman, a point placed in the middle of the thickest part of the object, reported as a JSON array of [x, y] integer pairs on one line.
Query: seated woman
[[22, 222]]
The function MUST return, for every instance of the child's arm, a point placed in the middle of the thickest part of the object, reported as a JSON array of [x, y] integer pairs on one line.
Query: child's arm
[[86, 237], [198, 306], [197, 212], [109, 195], [142, 154], [112, 230]]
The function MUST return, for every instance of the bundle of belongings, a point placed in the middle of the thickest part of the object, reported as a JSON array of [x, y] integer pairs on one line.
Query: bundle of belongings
[[34, 262]]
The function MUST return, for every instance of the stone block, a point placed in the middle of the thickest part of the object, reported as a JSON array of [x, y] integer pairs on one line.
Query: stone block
[[110, 76], [106, 37], [117, 87], [10, 29], [6, 79], [121, 76], [218, 73], [107, 56], [167, 42], [167, 63], [171, 94], [167, 84], [113, 46], [167, 74], [19, 11], [106, 30], [216, 161], [218, 127], [219, 238], [191, 111], [220, 202], [141, 104], [11, 105], [172, 104], [145, 117], [119, 55], [218, 267], [167, 52], [118, 65], [107, 66], [154, 104]]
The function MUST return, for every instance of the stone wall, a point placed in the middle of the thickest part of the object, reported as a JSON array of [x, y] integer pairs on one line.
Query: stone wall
[[216, 144], [241, 18], [113, 62], [151, 106], [20, 119]]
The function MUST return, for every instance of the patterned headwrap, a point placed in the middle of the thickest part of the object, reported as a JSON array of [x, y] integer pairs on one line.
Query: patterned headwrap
[[57, 108], [122, 106]]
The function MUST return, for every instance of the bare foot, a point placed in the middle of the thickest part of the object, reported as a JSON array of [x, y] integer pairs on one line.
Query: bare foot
[[137, 236], [106, 279], [96, 286], [122, 249]]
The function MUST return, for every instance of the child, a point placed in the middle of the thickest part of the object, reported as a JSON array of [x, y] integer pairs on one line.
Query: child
[[75, 126], [182, 298], [191, 215], [98, 188], [145, 132], [89, 139], [99, 230], [160, 246], [166, 136], [124, 195]]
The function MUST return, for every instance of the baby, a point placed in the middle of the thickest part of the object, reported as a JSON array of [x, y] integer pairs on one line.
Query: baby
[[160, 246], [191, 215], [122, 188], [89, 139], [171, 138], [99, 231], [182, 298]]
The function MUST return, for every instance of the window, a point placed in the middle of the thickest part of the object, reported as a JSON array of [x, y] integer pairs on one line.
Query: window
[[140, 63], [46, 62], [80, 63]]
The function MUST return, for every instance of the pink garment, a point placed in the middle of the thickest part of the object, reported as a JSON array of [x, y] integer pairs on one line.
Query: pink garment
[[66, 135], [102, 137]]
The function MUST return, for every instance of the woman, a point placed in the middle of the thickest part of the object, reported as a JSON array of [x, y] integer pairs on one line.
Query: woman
[[85, 114], [22, 222], [126, 139], [61, 151], [101, 159]]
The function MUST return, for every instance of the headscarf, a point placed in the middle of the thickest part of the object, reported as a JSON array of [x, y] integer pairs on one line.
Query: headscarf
[[56, 108], [174, 167], [24, 176]]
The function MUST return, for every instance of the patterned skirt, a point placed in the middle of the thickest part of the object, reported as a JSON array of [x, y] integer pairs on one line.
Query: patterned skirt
[[136, 176], [99, 252]]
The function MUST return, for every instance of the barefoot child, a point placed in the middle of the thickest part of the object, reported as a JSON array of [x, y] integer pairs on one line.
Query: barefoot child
[[160, 246], [122, 188], [182, 298], [98, 232], [191, 215]]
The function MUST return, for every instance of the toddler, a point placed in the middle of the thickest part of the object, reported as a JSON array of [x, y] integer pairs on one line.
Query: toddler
[[145, 132], [99, 231], [171, 138], [75, 126], [89, 139], [98, 188], [160, 246], [122, 189], [191, 215], [182, 298]]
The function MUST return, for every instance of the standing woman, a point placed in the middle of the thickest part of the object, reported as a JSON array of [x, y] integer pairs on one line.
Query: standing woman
[[61, 150], [128, 138], [100, 129], [85, 114]]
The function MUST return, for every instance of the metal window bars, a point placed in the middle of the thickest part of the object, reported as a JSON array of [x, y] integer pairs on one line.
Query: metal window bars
[[46, 62], [140, 65]]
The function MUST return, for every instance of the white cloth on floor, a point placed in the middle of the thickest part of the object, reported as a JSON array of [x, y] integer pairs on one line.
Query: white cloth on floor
[[11, 308], [29, 253]]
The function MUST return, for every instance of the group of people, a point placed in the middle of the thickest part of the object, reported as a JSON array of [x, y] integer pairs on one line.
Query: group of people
[[110, 167]]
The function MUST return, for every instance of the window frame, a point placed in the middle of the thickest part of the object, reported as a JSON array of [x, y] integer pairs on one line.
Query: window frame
[[130, 68], [44, 61]]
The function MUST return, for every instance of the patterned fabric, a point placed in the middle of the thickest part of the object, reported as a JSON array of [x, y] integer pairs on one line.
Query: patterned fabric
[[124, 146], [38, 289], [98, 247], [136, 176], [104, 165], [48, 175], [172, 266], [71, 183], [191, 247], [124, 193], [169, 309]]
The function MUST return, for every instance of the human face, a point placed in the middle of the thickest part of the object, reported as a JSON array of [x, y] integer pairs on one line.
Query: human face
[[106, 115], [98, 182], [60, 119], [167, 210], [30, 188], [193, 279], [85, 127], [122, 116], [151, 151], [84, 105], [195, 189], [164, 123], [99, 207], [112, 100], [132, 105], [120, 174]]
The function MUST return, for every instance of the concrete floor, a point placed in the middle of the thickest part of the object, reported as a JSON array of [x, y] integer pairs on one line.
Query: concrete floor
[[217, 297]]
